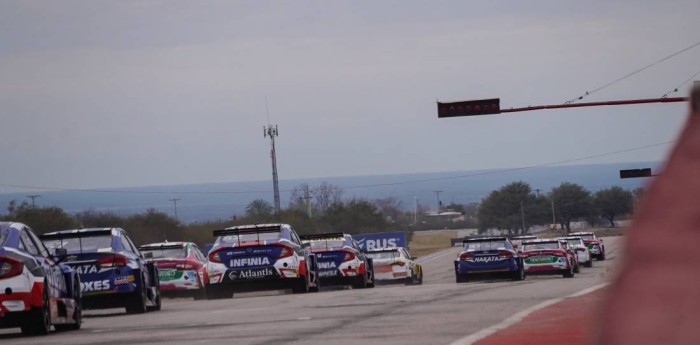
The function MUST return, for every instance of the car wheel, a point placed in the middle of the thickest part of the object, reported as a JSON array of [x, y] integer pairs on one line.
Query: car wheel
[[77, 312], [39, 320], [519, 274], [137, 303], [569, 273], [461, 278], [300, 285], [577, 269], [360, 282], [589, 263], [601, 257]]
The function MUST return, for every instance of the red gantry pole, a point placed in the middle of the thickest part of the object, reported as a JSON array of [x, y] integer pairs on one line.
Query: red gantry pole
[[596, 104]]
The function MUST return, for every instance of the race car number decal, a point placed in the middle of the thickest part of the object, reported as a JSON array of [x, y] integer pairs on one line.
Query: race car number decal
[[99, 285], [255, 261], [251, 274]]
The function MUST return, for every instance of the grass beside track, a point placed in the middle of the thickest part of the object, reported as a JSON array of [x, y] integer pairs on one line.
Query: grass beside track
[[427, 242]]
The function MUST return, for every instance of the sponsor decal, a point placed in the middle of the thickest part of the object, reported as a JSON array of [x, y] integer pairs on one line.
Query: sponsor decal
[[85, 269], [487, 259], [255, 261], [381, 240], [123, 280], [540, 260], [327, 265], [326, 274], [98, 285], [251, 274]]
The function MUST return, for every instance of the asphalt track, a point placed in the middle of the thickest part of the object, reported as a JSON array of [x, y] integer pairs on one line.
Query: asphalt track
[[437, 312]]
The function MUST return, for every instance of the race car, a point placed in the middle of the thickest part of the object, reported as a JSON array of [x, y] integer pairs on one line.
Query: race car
[[582, 254], [488, 255], [571, 251], [259, 257], [548, 256], [181, 268], [113, 272], [395, 265], [594, 244], [341, 262], [516, 240], [37, 290]]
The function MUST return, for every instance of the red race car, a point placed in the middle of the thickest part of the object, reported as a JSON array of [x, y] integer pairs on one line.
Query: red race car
[[548, 256], [181, 268]]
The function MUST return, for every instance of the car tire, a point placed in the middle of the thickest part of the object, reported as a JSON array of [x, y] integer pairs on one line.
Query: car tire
[[137, 302], [157, 303], [577, 268], [461, 278], [360, 282], [588, 263], [39, 320], [601, 256], [77, 312], [519, 274], [569, 273], [300, 285]]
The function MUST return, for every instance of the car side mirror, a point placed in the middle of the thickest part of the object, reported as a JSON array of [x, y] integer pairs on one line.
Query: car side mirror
[[147, 255]]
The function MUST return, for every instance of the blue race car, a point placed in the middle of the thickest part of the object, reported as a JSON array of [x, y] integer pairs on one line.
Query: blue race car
[[113, 272], [259, 257], [488, 255], [340, 260], [37, 290]]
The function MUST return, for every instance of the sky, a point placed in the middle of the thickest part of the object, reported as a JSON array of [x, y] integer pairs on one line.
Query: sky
[[101, 94]]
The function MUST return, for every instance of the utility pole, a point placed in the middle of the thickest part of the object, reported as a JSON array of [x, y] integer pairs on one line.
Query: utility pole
[[522, 214], [175, 200], [33, 197], [307, 200], [537, 191], [272, 132], [415, 210], [437, 193], [554, 217]]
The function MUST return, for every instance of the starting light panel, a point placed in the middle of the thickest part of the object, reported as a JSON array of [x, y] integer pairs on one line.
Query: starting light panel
[[469, 108]]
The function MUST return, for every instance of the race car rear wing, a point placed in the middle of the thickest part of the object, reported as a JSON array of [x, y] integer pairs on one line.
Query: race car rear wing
[[161, 247], [320, 237], [75, 234], [383, 250], [483, 239], [248, 230]]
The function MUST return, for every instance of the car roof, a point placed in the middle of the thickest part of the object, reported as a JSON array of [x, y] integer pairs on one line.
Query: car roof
[[581, 233]]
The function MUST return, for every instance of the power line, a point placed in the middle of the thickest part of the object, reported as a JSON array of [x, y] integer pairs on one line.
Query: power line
[[490, 172], [681, 85], [587, 93]]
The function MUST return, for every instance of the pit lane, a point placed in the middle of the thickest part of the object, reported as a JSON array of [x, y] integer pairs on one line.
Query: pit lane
[[437, 312]]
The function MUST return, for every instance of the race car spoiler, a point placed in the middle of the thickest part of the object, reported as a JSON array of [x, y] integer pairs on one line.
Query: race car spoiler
[[319, 237], [247, 230], [161, 246], [76, 234], [383, 250], [482, 239]]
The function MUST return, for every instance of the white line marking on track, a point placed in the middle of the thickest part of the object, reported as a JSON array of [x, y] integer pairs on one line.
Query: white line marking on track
[[515, 318]]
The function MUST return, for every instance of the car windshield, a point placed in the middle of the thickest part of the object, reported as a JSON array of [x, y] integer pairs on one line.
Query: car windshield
[[82, 244], [540, 246], [485, 245], [384, 255], [166, 253], [249, 237]]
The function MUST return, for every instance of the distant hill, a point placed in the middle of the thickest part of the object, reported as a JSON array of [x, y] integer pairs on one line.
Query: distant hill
[[457, 186]]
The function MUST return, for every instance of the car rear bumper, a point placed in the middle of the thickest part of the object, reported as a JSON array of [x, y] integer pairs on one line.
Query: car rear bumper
[[465, 267]]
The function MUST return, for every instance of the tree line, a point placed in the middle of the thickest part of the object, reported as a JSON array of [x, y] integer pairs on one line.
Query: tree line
[[516, 208]]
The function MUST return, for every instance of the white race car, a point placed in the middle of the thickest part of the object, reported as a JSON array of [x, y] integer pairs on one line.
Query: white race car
[[584, 256], [395, 265]]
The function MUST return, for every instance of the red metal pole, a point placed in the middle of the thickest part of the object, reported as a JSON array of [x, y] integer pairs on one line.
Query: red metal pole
[[595, 104]]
